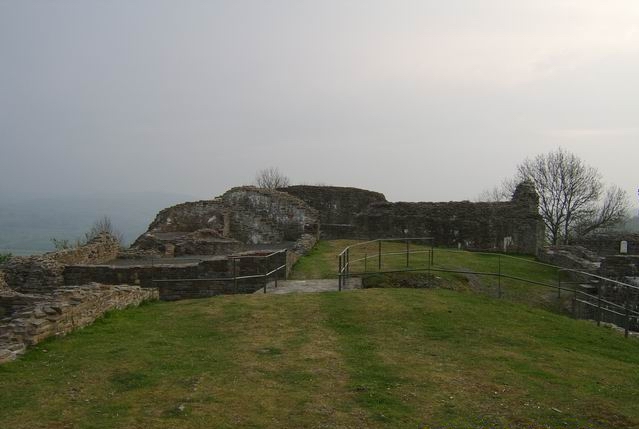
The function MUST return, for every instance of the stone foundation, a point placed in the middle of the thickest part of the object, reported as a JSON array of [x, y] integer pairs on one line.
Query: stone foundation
[[27, 319], [43, 273]]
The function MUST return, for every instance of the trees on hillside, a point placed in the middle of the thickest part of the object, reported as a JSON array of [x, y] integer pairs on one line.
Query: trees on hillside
[[271, 178], [572, 197]]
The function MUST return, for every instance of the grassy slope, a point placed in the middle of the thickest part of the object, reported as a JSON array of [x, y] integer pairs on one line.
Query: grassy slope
[[391, 358], [396, 358]]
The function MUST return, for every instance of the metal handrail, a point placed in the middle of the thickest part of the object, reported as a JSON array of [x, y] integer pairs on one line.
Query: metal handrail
[[235, 278], [602, 305]]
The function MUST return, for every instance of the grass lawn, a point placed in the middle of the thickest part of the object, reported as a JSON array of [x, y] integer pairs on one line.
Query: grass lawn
[[373, 358], [376, 358]]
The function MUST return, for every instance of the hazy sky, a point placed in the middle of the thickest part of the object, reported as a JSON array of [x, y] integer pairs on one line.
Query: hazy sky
[[418, 99]]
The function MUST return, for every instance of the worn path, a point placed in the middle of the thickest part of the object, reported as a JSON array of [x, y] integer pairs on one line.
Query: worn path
[[309, 286]]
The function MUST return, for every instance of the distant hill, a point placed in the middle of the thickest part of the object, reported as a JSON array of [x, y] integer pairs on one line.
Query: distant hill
[[27, 224]]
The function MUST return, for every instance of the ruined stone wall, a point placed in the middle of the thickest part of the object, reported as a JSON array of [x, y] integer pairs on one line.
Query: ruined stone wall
[[513, 226], [242, 217], [261, 216], [29, 319], [42, 273], [606, 244], [185, 280], [337, 206], [192, 216]]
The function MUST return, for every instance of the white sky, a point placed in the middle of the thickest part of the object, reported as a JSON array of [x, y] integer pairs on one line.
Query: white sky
[[420, 100]]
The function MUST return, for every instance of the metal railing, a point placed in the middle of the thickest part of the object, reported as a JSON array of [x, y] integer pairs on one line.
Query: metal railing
[[589, 295], [237, 276]]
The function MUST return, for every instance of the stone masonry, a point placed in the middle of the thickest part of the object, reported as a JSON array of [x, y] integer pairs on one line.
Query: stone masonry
[[27, 319], [513, 226], [240, 218], [42, 273]]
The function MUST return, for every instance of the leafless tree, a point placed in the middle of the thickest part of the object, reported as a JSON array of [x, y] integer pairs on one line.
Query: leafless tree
[[102, 226], [572, 199], [271, 178]]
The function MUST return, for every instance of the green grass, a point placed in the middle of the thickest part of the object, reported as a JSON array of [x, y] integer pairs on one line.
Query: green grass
[[322, 262], [375, 358]]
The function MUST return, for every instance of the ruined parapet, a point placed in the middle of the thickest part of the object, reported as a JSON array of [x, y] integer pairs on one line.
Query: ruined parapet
[[337, 206], [240, 218], [610, 243], [572, 257], [42, 273], [27, 319], [263, 216], [620, 266]]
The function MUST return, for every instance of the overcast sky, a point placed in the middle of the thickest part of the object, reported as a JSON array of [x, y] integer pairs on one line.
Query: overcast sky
[[418, 99]]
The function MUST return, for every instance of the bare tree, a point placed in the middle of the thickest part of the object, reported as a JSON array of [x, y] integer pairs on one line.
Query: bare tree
[[271, 178], [103, 226], [571, 195]]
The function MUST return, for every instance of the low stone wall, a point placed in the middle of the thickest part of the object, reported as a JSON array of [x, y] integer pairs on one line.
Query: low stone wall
[[610, 243], [43, 273], [573, 257], [620, 266], [29, 319], [201, 279]]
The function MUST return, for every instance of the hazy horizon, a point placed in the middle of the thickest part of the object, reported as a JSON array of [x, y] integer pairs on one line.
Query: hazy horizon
[[419, 100]]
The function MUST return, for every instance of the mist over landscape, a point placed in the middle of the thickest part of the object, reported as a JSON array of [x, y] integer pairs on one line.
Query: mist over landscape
[[419, 100]]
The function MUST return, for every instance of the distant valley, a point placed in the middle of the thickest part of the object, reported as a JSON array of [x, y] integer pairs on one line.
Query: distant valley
[[27, 224]]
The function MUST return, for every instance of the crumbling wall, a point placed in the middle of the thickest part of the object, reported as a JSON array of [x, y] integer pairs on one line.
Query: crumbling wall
[[337, 206], [241, 217], [261, 216], [606, 244], [42, 273], [29, 319], [514, 226]]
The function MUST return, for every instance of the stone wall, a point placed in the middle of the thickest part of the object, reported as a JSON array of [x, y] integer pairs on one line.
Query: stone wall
[[261, 216], [337, 206], [42, 273], [513, 226], [605, 244], [198, 279], [242, 217], [29, 319]]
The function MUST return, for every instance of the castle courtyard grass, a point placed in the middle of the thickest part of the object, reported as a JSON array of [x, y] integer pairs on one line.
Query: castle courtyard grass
[[376, 358]]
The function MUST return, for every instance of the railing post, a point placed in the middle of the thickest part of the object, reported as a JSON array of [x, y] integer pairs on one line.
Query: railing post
[[499, 276], [574, 301], [339, 271], [348, 265], [599, 303], [235, 274], [407, 257], [432, 252], [627, 312], [379, 255], [559, 290]]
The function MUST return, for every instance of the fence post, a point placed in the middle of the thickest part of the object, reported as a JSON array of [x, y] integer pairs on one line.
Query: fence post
[[339, 271], [627, 312], [407, 257], [558, 290], [432, 252], [574, 301], [599, 304], [235, 274], [499, 276], [348, 265]]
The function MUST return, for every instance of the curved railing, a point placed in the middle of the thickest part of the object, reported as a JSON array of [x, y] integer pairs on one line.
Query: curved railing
[[586, 295]]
